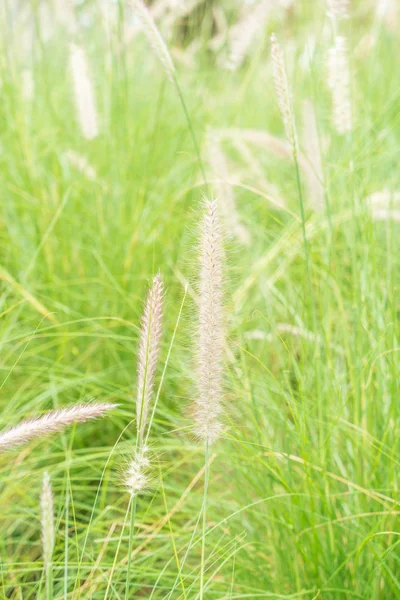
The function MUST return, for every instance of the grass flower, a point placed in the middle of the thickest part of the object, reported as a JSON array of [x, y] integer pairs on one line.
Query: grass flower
[[149, 348], [84, 92], [154, 37], [210, 342], [51, 423], [282, 88], [339, 84], [338, 9]]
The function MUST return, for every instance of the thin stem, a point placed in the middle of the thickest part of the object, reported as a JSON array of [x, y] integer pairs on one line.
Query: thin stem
[[49, 581], [193, 135], [203, 539], [131, 531]]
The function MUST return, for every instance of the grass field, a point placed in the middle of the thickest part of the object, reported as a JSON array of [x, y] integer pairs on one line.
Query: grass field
[[303, 492]]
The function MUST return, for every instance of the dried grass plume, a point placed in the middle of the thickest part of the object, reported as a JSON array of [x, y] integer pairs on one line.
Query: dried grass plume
[[149, 348], [154, 37], [339, 84], [83, 92], [51, 423], [210, 342], [282, 88]]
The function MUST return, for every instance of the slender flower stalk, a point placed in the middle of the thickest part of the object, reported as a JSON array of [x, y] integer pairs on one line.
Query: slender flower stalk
[[160, 48], [84, 92], [339, 84], [283, 92], [136, 475], [285, 105], [52, 422], [149, 348], [154, 37], [47, 521], [218, 166], [210, 347]]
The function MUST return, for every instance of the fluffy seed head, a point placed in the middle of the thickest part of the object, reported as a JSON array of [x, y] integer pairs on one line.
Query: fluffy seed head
[[149, 348], [338, 9], [243, 34], [208, 404], [83, 91], [154, 37], [283, 90], [47, 520], [136, 477], [81, 163], [314, 172], [51, 423], [339, 84]]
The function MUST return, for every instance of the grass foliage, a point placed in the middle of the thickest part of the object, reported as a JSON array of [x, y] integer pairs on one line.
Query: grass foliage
[[303, 498]]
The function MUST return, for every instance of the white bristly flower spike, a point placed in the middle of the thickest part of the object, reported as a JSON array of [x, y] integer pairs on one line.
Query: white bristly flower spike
[[83, 92], [210, 342], [283, 92], [51, 423], [339, 84], [47, 520], [136, 476], [154, 37], [338, 9], [149, 348]]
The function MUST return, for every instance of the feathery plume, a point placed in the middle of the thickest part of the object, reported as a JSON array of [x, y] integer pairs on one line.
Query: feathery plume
[[136, 478], [222, 188], [47, 520], [83, 91], [338, 9], [27, 85], [51, 422], [243, 34], [384, 199], [283, 90], [339, 84], [314, 174], [81, 164], [208, 404], [149, 348], [154, 37]]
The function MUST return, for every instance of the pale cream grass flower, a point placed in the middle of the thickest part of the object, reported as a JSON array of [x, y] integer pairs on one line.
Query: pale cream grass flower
[[339, 84], [243, 34], [384, 199], [283, 92], [83, 92], [149, 348], [65, 15], [154, 37], [27, 85], [81, 163], [385, 214], [223, 189], [210, 343], [51, 423], [338, 9], [47, 520], [136, 477], [314, 174]]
